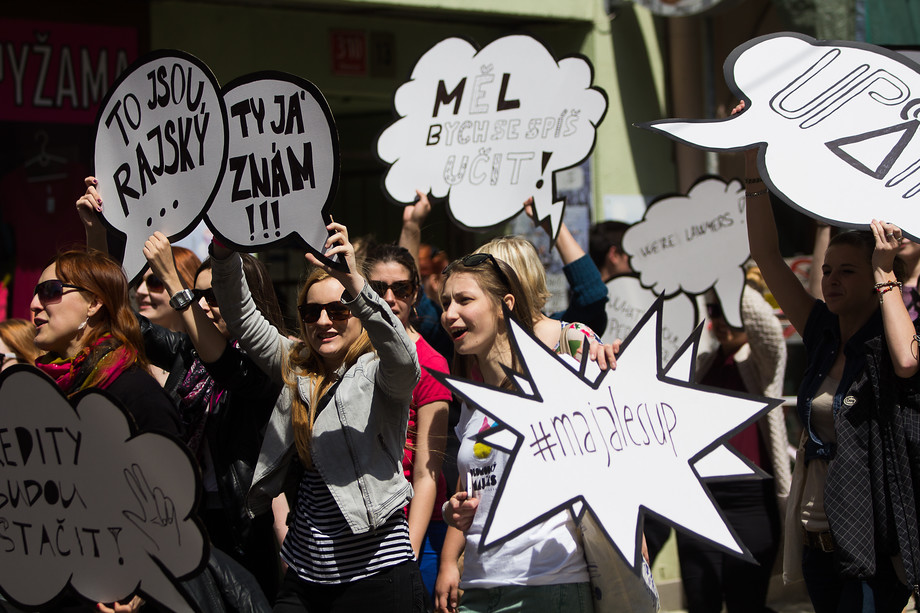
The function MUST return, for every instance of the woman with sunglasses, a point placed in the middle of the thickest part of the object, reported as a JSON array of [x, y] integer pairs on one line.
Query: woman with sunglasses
[[85, 325], [17, 343], [224, 402], [153, 295], [542, 570], [392, 273], [335, 437], [852, 514]]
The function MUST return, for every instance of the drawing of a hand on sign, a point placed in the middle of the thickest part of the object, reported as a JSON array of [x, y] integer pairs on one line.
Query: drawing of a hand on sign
[[836, 123], [488, 128], [95, 508]]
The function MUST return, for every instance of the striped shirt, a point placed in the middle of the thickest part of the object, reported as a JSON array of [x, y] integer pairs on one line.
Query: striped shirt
[[321, 547]]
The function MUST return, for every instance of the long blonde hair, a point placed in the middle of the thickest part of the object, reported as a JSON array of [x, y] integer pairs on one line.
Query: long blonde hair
[[303, 361], [522, 256]]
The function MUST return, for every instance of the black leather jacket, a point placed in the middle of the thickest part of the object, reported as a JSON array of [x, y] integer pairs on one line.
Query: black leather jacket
[[235, 428]]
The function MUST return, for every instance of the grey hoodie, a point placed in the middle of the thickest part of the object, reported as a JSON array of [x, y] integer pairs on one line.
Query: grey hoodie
[[358, 437]]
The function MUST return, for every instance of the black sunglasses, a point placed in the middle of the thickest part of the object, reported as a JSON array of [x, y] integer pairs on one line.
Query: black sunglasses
[[310, 312], [401, 289], [52, 290], [207, 294], [154, 284], [475, 259]]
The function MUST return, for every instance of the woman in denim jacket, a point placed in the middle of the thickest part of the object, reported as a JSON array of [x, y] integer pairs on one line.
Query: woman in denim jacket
[[856, 276], [335, 438]]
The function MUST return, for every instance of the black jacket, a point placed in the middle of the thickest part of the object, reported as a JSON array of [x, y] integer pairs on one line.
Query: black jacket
[[872, 493], [234, 429]]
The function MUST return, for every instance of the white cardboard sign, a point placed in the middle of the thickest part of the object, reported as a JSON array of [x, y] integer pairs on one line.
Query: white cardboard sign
[[629, 301], [844, 111], [160, 149], [694, 243], [87, 502], [283, 164], [488, 128], [621, 443]]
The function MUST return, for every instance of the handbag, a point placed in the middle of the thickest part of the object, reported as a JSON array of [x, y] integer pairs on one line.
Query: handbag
[[615, 586]]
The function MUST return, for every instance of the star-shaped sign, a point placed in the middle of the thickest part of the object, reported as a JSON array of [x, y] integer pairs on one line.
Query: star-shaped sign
[[618, 444]]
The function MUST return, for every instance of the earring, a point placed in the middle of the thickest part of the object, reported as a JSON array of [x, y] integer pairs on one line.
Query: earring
[[83, 325]]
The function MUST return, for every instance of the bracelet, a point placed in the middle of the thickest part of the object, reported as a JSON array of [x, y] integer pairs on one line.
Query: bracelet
[[751, 181], [884, 288], [762, 192]]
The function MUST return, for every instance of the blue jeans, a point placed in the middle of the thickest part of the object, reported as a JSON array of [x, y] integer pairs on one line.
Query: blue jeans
[[832, 593], [560, 598], [429, 555]]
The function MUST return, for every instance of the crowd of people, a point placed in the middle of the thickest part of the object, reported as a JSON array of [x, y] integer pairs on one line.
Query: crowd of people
[[328, 479]]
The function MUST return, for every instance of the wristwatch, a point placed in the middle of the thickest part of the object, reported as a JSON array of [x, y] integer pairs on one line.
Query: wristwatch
[[182, 299]]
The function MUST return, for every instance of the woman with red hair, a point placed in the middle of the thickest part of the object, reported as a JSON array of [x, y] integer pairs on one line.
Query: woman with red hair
[[84, 323]]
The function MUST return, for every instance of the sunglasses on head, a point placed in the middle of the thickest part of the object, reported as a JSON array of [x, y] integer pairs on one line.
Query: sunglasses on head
[[310, 312], [401, 289], [475, 259], [52, 290]]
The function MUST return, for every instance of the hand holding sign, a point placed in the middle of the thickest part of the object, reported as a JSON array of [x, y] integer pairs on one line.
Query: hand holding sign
[[629, 437], [85, 501], [838, 121], [283, 165], [488, 128], [161, 145]]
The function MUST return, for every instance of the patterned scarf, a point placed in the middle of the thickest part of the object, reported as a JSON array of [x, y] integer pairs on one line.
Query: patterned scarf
[[198, 398], [97, 365]]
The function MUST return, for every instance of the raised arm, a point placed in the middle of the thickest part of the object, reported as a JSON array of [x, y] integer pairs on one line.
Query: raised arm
[[89, 205], [791, 295], [262, 342], [899, 329], [207, 339], [414, 215]]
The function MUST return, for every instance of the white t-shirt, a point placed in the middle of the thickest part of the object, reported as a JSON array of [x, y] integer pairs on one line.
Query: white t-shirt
[[547, 554]]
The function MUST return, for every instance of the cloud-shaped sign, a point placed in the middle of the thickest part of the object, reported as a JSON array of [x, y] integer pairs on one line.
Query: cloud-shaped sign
[[629, 302], [160, 150], [694, 243], [488, 128], [283, 164], [86, 502], [836, 122], [633, 430]]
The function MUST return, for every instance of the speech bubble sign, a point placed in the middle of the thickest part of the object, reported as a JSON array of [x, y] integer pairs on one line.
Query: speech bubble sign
[[86, 502], [836, 124], [632, 429], [694, 243], [488, 128], [629, 301], [160, 149], [282, 167]]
